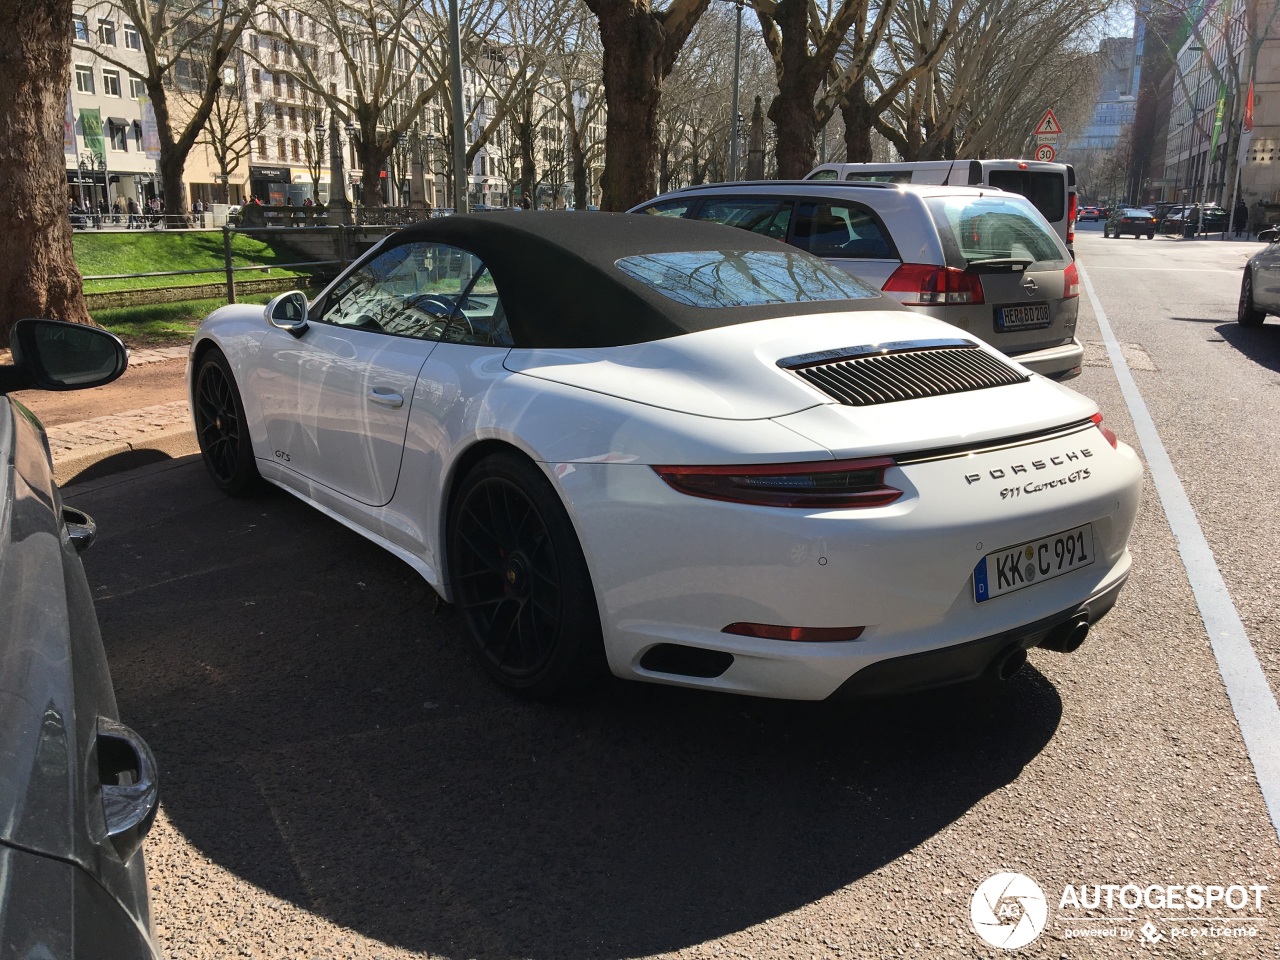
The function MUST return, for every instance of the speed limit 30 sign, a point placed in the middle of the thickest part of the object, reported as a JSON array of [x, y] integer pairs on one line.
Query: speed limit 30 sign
[[1045, 152]]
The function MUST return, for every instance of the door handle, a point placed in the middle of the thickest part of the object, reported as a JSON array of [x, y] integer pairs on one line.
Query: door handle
[[130, 790], [386, 398], [81, 530]]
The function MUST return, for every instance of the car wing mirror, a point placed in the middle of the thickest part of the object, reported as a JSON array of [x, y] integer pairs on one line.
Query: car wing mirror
[[288, 312], [1269, 236], [57, 355]]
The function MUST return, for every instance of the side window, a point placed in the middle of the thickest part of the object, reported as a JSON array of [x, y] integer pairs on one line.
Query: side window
[[764, 215], [430, 291], [668, 208], [840, 231], [823, 175]]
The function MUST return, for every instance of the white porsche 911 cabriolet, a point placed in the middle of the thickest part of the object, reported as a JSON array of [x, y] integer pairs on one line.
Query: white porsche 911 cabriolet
[[678, 451]]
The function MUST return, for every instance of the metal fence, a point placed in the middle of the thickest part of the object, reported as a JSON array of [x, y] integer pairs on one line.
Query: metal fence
[[343, 244]]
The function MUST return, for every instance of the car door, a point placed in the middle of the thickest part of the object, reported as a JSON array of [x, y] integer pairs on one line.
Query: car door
[[336, 400], [1266, 278]]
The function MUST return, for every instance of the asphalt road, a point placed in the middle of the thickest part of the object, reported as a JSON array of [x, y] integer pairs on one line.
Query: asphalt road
[[340, 780]]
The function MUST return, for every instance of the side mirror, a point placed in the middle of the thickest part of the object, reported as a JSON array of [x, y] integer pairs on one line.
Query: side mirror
[[1270, 235], [57, 355], [288, 312]]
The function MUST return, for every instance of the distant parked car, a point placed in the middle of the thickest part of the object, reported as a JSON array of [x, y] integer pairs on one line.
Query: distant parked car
[[980, 258], [1091, 213], [1183, 219], [1140, 223], [79, 787]]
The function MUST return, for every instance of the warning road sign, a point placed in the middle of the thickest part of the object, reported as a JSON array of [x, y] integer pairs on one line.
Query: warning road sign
[[1045, 152], [1048, 125]]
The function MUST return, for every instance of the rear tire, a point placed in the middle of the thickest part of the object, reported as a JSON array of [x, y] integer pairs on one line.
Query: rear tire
[[521, 581], [1248, 315], [221, 429]]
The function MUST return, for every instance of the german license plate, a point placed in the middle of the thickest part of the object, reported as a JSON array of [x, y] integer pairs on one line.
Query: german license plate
[[1026, 317], [1013, 568]]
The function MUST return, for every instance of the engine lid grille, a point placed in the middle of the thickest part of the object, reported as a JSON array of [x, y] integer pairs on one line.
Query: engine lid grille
[[886, 373]]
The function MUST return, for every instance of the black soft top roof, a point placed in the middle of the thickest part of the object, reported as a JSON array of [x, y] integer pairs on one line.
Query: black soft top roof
[[560, 289]]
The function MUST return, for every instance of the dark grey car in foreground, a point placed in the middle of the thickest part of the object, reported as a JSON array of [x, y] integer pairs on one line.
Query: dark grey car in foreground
[[77, 788]]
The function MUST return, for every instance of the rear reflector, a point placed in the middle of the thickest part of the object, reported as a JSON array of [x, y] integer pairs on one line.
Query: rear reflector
[[925, 284], [830, 484], [769, 631], [1111, 437]]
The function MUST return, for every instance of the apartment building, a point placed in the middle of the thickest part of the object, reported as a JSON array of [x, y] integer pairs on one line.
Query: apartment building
[[106, 150]]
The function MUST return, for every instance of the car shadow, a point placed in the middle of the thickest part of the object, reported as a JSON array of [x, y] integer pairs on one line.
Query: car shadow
[[1259, 344], [324, 733]]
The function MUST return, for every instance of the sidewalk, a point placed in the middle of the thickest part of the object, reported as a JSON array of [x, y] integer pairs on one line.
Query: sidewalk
[[128, 439]]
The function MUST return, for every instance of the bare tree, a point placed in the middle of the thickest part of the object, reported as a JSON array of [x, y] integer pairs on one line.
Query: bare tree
[[38, 274], [229, 133], [805, 39], [1008, 61], [187, 46], [575, 63], [640, 48], [391, 55]]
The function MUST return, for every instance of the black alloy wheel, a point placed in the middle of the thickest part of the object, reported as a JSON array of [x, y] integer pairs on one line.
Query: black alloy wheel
[[220, 428], [521, 581], [1248, 315]]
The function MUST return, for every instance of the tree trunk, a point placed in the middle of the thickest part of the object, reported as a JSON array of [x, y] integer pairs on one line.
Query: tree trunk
[[856, 113], [792, 110], [633, 72], [38, 273]]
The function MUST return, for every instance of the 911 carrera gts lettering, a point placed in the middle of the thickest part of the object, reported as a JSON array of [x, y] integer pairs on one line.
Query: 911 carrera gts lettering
[[1060, 460], [1010, 492], [281, 455]]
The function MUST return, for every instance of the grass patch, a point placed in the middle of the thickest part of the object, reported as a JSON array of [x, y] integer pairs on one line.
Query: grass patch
[[164, 324], [146, 251]]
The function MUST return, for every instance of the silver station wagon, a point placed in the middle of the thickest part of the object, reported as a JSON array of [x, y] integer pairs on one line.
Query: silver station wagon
[[977, 257]]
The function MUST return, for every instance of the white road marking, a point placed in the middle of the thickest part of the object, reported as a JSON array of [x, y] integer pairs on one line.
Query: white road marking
[[1235, 270], [1251, 698]]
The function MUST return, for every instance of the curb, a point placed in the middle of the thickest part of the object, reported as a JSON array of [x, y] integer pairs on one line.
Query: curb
[[93, 448]]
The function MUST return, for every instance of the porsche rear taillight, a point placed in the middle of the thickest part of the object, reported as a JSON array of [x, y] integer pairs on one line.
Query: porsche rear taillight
[[1111, 437], [926, 285], [1070, 282], [833, 485]]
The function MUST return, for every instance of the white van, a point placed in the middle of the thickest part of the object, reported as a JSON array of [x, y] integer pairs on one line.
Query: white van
[[1051, 187]]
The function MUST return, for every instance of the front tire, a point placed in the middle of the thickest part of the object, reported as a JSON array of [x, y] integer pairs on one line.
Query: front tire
[[521, 581], [1248, 315], [221, 429]]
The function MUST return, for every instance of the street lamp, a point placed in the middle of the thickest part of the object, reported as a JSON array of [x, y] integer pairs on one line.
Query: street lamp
[[737, 79]]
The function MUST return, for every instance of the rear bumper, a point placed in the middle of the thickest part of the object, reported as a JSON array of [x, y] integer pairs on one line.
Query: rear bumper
[[967, 661], [1057, 363]]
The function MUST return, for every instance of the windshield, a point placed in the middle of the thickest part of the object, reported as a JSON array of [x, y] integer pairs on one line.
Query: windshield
[[975, 229], [743, 278], [1046, 191]]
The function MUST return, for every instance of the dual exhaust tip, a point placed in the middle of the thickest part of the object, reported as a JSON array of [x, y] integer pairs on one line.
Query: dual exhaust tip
[[1066, 637]]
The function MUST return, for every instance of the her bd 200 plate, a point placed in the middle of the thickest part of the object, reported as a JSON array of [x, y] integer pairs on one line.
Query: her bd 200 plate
[[1026, 317], [1013, 568], [673, 450]]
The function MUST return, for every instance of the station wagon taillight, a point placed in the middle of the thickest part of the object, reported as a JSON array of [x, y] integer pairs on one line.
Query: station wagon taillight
[[926, 285], [1070, 282]]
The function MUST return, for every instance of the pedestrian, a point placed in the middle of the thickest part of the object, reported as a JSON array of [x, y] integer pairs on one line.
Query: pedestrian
[[134, 220], [1240, 218], [118, 210], [1259, 219]]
